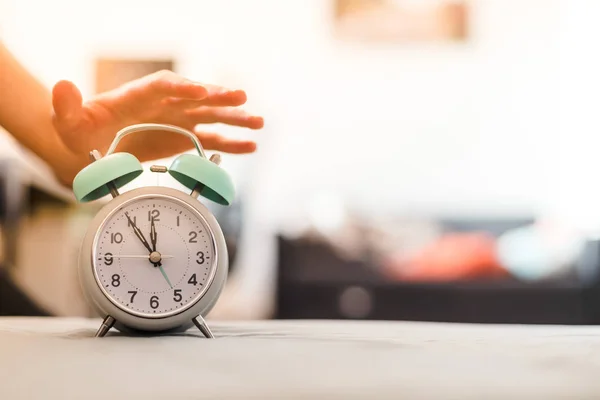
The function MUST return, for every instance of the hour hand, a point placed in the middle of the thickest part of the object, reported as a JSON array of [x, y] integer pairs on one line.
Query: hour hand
[[138, 233], [153, 235]]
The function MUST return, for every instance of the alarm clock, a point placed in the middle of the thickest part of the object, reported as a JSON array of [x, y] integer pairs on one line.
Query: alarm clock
[[153, 259]]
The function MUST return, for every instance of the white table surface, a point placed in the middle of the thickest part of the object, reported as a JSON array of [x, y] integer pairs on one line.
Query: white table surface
[[58, 358]]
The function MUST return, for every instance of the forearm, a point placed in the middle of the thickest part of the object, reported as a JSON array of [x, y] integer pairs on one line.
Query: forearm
[[26, 113]]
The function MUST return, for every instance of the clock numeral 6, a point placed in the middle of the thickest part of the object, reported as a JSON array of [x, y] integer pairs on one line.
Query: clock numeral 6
[[154, 302], [177, 295], [108, 259]]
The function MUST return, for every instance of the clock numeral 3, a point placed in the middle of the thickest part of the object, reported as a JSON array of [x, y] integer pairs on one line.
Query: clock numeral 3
[[116, 280], [154, 302], [132, 293], [192, 280], [108, 259], [177, 295], [153, 214], [116, 237], [200, 259]]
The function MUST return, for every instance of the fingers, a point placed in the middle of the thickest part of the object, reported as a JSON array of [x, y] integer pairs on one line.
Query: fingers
[[217, 96], [67, 112], [183, 92], [229, 116], [213, 141], [220, 96], [161, 84]]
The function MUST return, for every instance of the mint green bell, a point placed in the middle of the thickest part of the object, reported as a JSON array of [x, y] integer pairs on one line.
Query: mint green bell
[[196, 172], [93, 182], [204, 176]]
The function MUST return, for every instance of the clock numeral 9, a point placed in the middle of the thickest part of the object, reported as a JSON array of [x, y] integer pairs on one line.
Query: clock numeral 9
[[154, 302], [116, 237], [200, 259], [177, 295], [116, 280], [153, 214], [108, 259]]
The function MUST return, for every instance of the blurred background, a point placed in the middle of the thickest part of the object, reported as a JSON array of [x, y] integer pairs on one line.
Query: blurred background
[[421, 159]]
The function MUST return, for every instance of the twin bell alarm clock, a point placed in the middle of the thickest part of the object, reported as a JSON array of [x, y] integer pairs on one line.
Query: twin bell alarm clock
[[153, 259]]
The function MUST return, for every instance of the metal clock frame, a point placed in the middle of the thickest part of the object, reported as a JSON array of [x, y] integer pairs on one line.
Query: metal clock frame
[[126, 320]]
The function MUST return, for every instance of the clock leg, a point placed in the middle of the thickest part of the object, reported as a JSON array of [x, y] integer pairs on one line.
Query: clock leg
[[105, 327], [201, 324]]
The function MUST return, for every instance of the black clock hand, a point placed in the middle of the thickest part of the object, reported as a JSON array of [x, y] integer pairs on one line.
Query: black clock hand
[[153, 235], [139, 233]]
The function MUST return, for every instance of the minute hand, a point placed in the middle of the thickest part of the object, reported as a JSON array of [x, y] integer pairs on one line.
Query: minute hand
[[139, 233]]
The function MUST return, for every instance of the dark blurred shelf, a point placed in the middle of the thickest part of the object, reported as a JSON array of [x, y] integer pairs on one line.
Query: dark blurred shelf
[[313, 283]]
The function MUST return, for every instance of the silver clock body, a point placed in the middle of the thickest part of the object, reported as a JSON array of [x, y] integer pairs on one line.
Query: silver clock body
[[97, 289]]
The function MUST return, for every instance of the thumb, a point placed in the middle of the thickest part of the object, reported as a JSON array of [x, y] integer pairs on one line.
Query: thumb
[[67, 105]]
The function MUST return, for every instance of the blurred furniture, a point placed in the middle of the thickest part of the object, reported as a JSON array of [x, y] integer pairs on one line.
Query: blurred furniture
[[299, 360], [13, 196], [313, 282]]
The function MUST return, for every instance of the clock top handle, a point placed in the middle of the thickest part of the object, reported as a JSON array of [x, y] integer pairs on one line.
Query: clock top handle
[[154, 127], [196, 172]]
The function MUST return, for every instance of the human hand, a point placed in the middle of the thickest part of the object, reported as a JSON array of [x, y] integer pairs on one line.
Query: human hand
[[161, 97]]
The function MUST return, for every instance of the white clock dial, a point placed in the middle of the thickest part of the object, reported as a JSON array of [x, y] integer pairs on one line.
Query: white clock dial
[[148, 280]]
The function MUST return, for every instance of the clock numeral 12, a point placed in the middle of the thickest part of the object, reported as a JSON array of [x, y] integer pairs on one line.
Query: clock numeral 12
[[153, 214]]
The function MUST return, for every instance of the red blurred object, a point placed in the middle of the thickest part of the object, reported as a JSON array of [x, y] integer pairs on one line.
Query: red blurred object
[[459, 256]]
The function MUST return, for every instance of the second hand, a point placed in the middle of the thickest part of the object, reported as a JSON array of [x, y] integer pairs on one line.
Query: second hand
[[136, 256]]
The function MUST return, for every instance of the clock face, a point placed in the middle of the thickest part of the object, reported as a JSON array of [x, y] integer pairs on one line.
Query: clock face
[[154, 271]]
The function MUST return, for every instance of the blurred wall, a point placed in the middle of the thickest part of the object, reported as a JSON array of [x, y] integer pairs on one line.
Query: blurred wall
[[462, 128], [418, 117]]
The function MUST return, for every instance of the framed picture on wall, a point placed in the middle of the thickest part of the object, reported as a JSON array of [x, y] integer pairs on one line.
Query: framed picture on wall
[[401, 21]]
